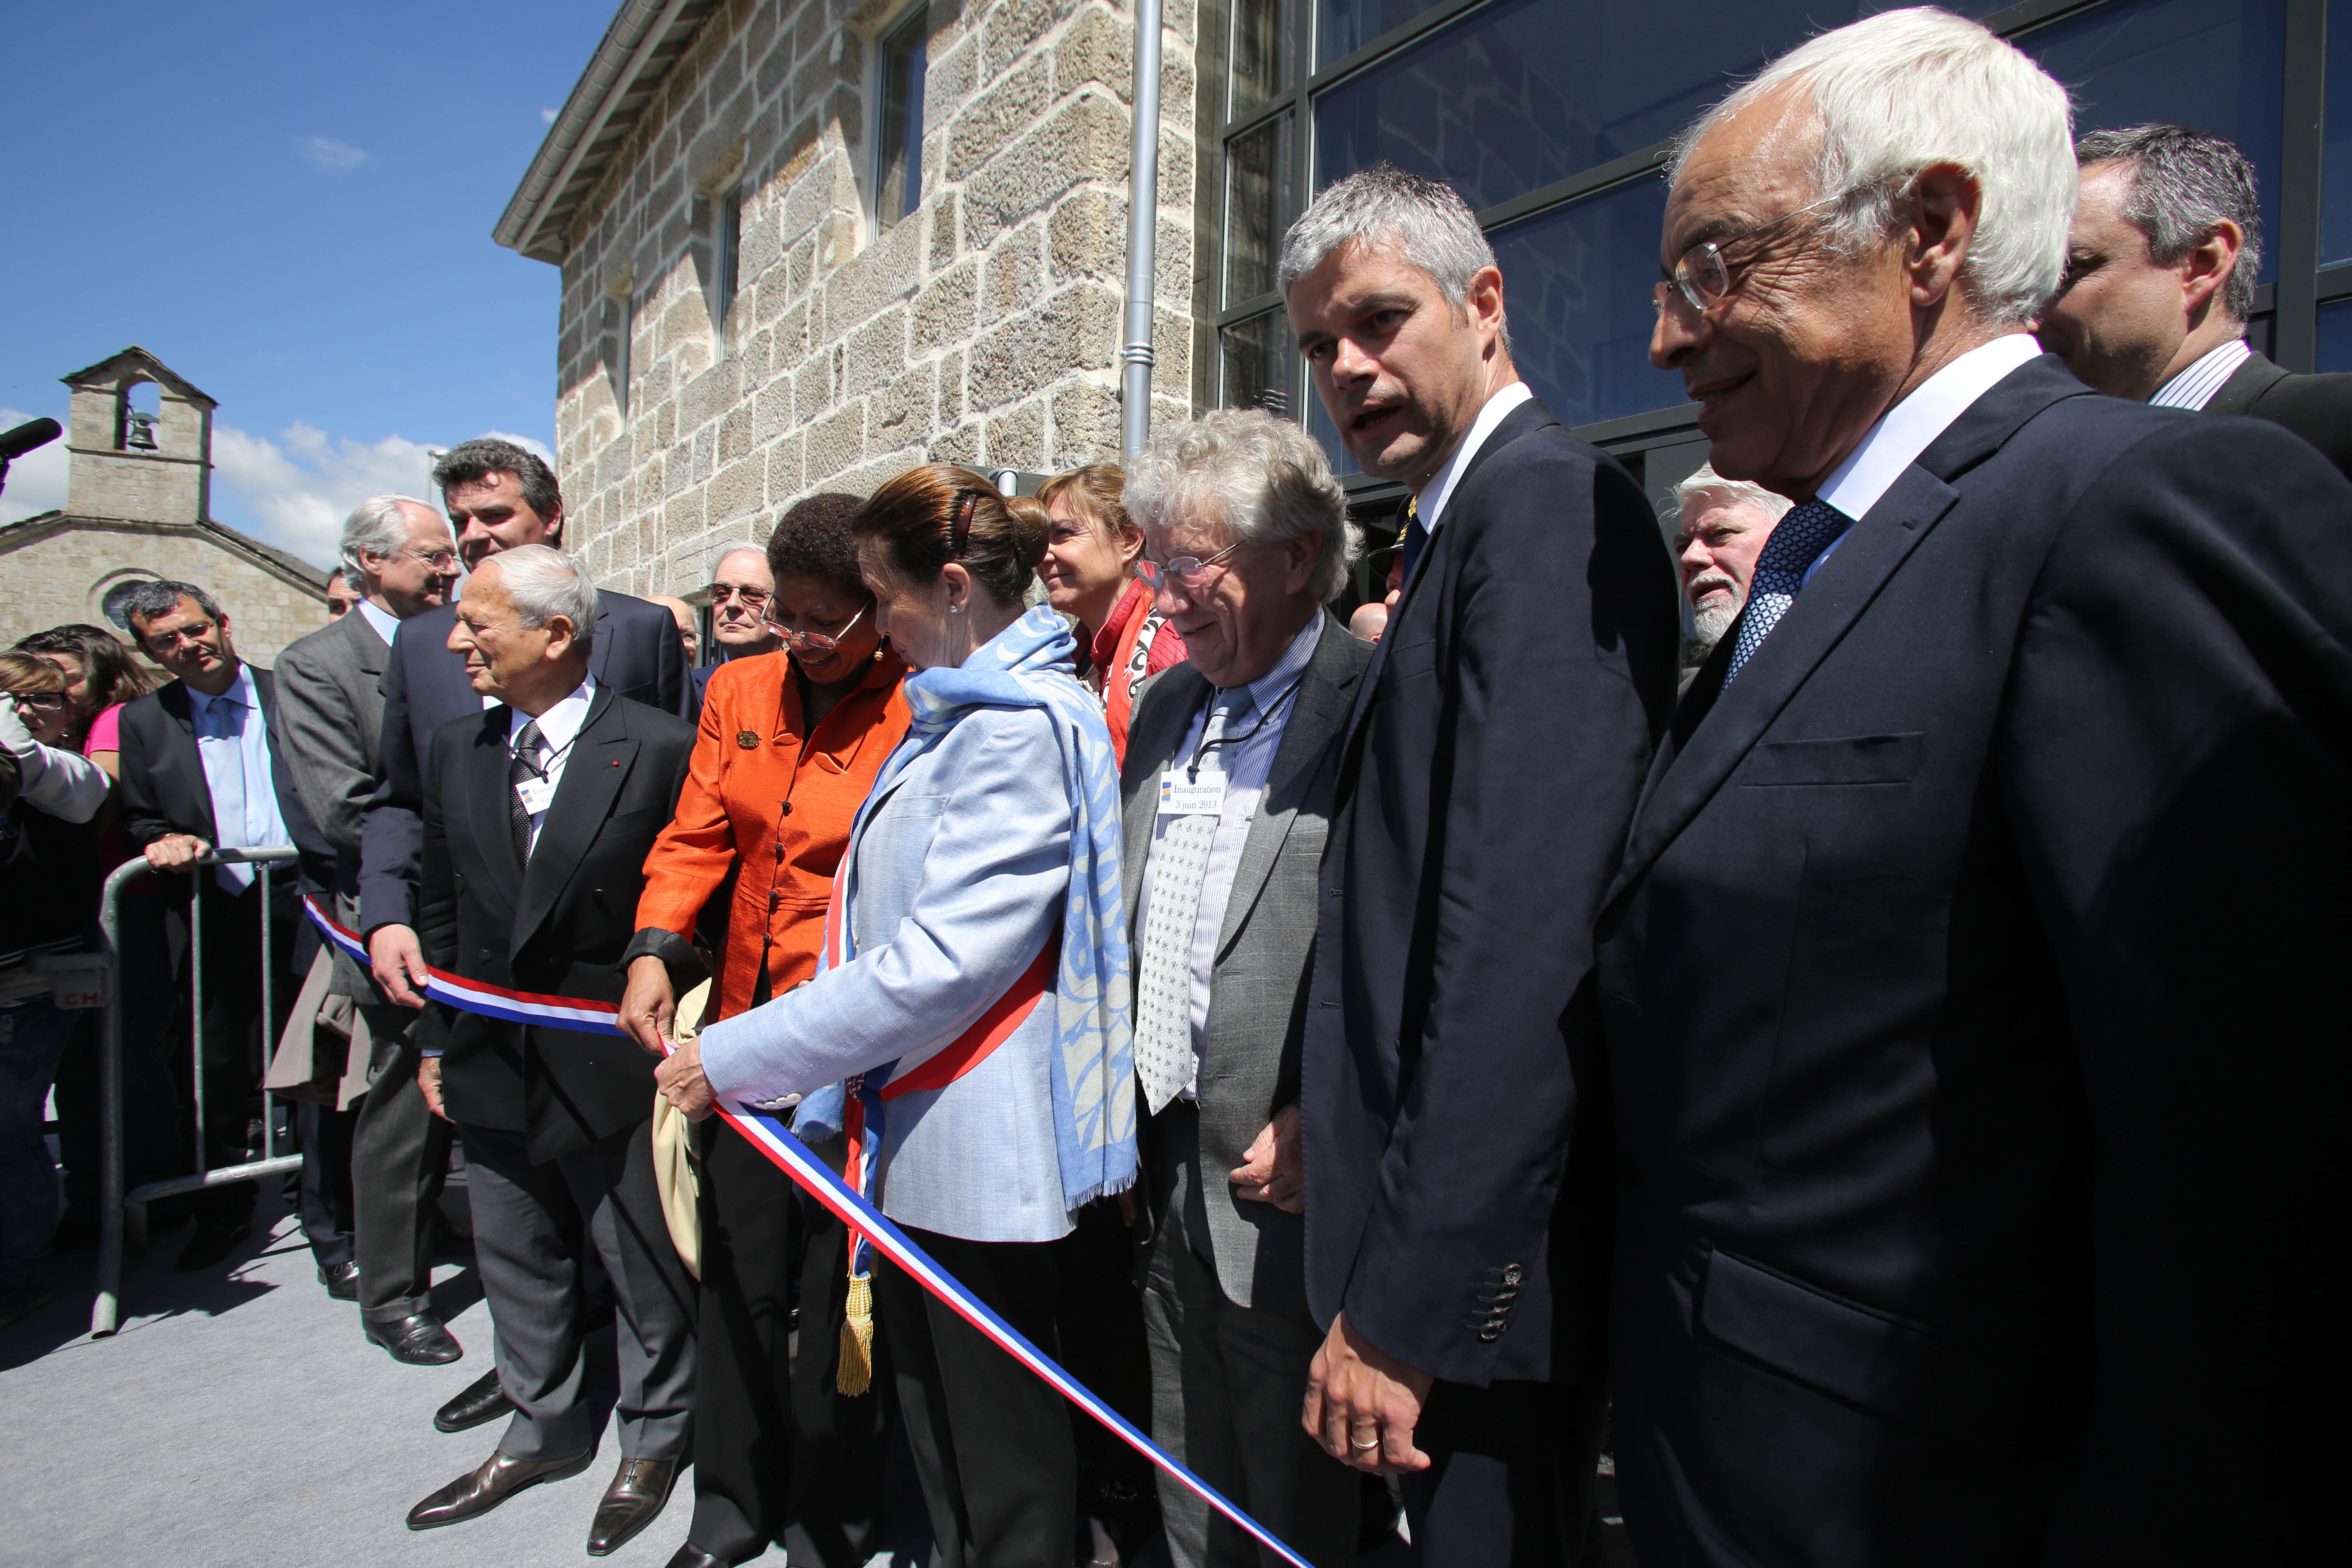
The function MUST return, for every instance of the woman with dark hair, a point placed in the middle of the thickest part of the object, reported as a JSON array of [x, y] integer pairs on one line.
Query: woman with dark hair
[[970, 1016], [791, 741], [1089, 573], [101, 674]]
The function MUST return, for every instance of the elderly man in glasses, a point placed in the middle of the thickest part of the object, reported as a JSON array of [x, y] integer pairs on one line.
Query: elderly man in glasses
[[1969, 977], [372, 1170], [742, 588]]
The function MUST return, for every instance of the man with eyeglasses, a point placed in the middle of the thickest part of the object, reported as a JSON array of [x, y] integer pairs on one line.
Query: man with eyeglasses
[[1969, 979], [1493, 759], [199, 763], [741, 589], [498, 497], [372, 1172]]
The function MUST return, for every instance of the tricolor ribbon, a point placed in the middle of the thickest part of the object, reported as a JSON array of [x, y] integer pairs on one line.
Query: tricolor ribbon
[[814, 1176]]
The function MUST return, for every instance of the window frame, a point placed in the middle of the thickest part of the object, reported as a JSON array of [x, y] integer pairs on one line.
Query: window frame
[[904, 36], [2288, 309]]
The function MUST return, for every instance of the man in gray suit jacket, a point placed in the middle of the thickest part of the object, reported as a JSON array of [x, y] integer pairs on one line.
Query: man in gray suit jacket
[[400, 554], [1227, 788]]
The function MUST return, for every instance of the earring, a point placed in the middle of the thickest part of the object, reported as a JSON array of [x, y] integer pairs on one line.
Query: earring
[[955, 609]]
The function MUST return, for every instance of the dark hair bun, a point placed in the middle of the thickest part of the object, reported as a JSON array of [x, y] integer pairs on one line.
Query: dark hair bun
[[940, 512]]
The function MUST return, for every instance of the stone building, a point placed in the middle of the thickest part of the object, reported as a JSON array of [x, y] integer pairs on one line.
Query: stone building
[[806, 244], [137, 492]]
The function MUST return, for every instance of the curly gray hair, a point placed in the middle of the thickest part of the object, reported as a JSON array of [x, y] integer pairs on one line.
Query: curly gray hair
[[1263, 478]]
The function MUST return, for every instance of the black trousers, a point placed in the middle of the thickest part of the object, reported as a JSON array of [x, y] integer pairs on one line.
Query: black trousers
[[1511, 1474], [399, 1157], [236, 1036], [324, 1198], [991, 1440], [779, 1454]]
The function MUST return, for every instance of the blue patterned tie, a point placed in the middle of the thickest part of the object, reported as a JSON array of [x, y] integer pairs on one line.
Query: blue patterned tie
[[1797, 542]]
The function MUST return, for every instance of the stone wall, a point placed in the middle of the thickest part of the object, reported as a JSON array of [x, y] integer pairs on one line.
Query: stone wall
[[982, 327], [60, 571]]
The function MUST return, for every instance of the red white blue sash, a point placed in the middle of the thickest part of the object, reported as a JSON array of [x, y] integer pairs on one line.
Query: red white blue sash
[[769, 1136]]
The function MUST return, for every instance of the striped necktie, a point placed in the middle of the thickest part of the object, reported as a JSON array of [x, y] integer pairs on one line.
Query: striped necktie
[[1797, 542]]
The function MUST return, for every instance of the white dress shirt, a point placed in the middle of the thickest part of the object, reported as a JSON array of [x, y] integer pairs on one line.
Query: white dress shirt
[[559, 727], [1430, 505], [233, 743], [1911, 426], [1246, 763], [2194, 388], [384, 622]]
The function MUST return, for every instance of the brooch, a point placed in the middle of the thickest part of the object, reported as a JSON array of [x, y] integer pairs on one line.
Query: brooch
[[747, 740]]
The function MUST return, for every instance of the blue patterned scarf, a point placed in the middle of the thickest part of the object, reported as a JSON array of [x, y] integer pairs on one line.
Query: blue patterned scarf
[[1032, 664]]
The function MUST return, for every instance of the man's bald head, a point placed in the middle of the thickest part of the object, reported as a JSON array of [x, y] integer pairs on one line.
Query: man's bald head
[[741, 587], [689, 631]]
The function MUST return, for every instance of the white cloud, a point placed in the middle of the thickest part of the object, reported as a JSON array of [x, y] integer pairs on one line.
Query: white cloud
[[326, 152], [37, 481], [547, 117], [536, 448], [303, 489]]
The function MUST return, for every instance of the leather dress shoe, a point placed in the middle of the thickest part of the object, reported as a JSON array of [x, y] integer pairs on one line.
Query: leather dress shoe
[[483, 1400], [214, 1241], [477, 1491], [692, 1556], [342, 1280], [418, 1339], [640, 1487]]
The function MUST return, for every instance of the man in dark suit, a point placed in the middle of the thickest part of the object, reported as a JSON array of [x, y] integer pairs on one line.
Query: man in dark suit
[[2160, 268], [1491, 764], [498, 497], [539, 814], [1970, 976], [1220, 895], [198, 763], [331, 713]]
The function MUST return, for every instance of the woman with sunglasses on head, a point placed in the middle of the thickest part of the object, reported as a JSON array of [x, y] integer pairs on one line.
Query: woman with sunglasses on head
[[968, 1023], [790, 743]]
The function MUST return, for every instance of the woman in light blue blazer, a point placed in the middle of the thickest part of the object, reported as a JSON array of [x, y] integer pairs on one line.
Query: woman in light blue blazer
[[967, 1023]]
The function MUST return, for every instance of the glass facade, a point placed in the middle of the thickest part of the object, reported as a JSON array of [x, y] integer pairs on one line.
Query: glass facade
[[1551, 116]]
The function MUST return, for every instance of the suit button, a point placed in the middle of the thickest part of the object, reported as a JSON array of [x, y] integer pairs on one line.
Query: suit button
[[1490, 1333], [1513, 1274]]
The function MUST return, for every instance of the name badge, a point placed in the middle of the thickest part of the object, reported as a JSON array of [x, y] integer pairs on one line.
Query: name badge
[[1180, 795], [535, 794]]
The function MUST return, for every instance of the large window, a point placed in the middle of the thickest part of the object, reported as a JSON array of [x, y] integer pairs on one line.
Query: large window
[[1551, 118]]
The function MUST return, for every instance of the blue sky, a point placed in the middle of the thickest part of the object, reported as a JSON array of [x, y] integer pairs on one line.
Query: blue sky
[[290, 204]]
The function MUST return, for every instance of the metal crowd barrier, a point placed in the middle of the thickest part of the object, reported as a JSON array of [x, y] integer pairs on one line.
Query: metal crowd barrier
[[116, 1205]]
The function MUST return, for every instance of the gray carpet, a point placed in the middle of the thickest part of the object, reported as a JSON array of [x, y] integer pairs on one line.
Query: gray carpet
[[239, 1420]]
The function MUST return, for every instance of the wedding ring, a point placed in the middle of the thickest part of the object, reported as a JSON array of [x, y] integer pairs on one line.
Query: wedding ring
[[1365, 1447]]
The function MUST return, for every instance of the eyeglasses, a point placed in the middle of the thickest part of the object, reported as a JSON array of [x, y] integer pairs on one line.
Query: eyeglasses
[[437, 560], [193, 632], [812, 642], [754, 599], [1702, 274], [44, 700], [1183, 571]]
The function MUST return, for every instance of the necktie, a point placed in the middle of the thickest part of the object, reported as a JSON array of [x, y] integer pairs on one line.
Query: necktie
[[529, 746], [1416, 538], [1797, 542], [1163, 1009]]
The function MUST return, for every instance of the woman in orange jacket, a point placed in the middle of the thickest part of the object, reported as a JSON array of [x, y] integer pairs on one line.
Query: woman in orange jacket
[[790, 745]]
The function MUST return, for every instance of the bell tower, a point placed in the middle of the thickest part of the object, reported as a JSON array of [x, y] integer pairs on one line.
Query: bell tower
[[129, 463]]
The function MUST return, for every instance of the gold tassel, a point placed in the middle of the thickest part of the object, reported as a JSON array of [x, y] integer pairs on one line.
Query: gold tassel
[[854, 1374]]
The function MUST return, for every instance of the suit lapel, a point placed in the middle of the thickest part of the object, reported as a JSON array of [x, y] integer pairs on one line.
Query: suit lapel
[[184, 761], [1165, 719], [483, 804], [600, 763], [1324, 698], [369, 651], [2245, 386], [1721, 734]]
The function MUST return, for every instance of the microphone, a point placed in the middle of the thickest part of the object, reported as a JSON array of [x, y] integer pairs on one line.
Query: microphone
[[26, 436]]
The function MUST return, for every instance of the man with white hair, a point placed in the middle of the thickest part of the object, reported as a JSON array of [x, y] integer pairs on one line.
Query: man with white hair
[[390, 1154], [1491, 764], [1969, 973], [741, 587], [1719, 525], [1239, 747], [539, 814], [2160, 268]]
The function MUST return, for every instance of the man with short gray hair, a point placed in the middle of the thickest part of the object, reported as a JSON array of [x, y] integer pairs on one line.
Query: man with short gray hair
[[539, 809], [1719, 524], [1226, 791], [401, 554], [1493, 757], [2160, 282], [1968, 976]]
